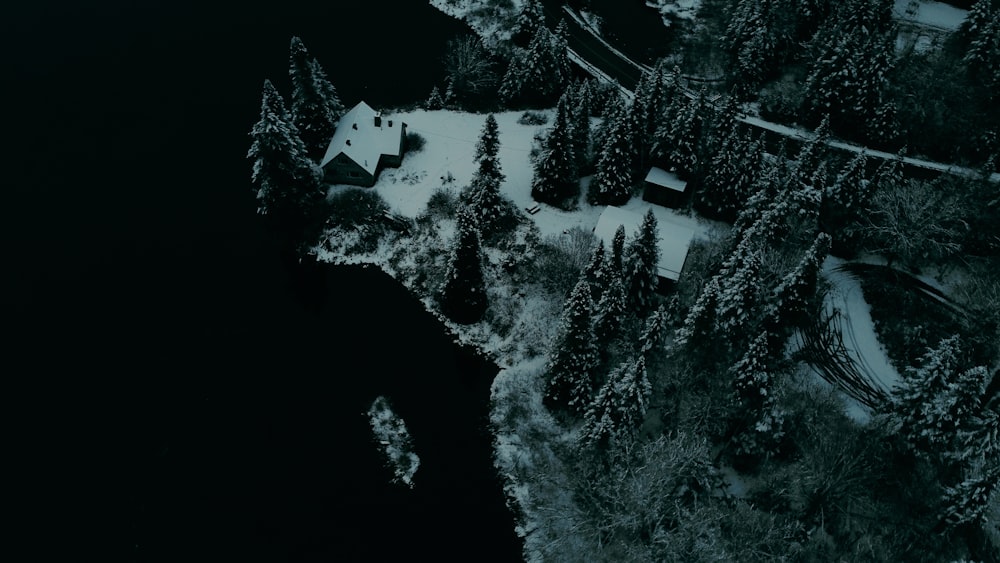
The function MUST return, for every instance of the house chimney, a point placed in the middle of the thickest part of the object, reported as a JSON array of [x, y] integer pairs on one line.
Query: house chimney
[[390, 123], [355, 126], [378, 119]]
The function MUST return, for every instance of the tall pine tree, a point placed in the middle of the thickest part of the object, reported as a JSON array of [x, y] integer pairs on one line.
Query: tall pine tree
[[555, 180], [315, 104], [612, 183], [488, 204], [287, 182], [619, 406], [463, 297], [572, 366], [642, 269]]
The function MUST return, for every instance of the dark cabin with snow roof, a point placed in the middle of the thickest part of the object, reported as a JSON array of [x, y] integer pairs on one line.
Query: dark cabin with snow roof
[[363, 144], [665, 188]]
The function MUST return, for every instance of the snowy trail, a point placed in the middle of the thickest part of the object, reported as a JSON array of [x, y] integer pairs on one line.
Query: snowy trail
[[859, 330]]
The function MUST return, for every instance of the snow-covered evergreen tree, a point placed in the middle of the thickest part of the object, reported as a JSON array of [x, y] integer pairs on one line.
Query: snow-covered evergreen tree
[[852, 57], [682, 145], [754, 43], [581, 126], [739, 300], [642, 266], [488, 204], [534, 76], [969, 501], [619, 406], [594, 271], [752, 374], [529, 19], [731, 176], [560, 54], [612, 183], [434, 100], [699, 324], [654, 333], [463, 298], [615, 262], [753, 381], [921, 403], [556, 180], [572, 366], [315, 105], [287, 182], [610, 312], [790, 304]]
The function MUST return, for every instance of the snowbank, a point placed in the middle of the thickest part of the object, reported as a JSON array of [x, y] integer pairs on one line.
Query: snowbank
[[679, 9]]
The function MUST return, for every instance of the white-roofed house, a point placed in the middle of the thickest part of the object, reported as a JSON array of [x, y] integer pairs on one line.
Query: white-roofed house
[[363, 144], [674, 240], [664, 188]]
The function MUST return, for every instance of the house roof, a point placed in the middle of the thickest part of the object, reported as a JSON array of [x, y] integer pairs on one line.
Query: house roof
[[674, 240], [363, 142], [661, 177]]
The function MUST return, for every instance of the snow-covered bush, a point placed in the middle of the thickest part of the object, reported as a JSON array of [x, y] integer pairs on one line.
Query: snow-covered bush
[[393, 437], [531, 117]]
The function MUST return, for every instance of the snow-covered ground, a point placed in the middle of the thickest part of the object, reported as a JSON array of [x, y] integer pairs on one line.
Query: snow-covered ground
[[929, 13], [391, 433], [860, 336], [680, 9], [489, 28], [446, 160]]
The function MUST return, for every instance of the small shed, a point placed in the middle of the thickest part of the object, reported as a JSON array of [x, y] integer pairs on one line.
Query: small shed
[[664, 188], [362, 145], [674, 241]]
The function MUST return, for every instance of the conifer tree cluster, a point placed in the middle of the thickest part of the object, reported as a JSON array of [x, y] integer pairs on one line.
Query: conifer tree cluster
[[286, 180], [463, 297], [619, 406], [556, 179], [941, 411], [981, 30], [315, 104], [538, 74]]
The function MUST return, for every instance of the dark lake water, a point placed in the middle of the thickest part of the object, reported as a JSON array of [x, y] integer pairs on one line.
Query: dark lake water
[[180, 393]]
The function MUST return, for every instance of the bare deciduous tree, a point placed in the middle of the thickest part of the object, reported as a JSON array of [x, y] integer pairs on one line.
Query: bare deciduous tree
[[468, 67], [916, 223]]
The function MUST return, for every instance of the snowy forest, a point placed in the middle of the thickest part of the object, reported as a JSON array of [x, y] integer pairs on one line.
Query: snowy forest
[[727, 416]]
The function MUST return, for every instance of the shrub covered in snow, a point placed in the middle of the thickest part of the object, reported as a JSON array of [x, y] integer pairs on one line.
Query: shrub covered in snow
[[391, 433]]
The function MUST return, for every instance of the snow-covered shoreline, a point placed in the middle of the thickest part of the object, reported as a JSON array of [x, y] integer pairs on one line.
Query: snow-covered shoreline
[[446, 162]]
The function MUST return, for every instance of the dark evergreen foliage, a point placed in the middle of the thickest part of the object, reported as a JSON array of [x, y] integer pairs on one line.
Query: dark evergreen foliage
[[463, 297], [612, 183], [286, 181], [315, 105], [573, 362], [556, 181], [642, 266]]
